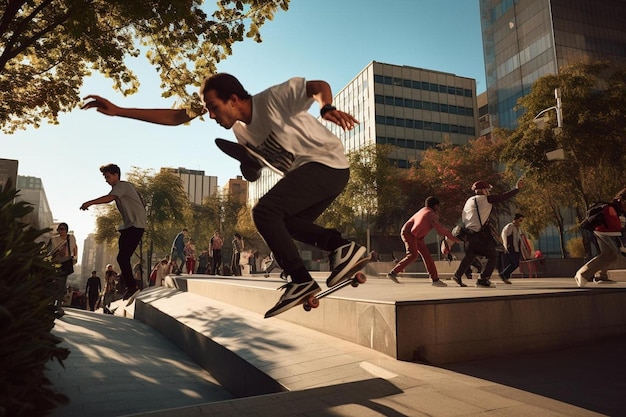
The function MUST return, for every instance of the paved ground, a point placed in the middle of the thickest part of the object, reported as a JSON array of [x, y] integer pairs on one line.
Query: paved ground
[[121, 367]]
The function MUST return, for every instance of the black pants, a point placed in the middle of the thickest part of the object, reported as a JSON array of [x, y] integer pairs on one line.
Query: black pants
[[289, 209], [127, 243], [92, 299], [480, 243], [216, 261]]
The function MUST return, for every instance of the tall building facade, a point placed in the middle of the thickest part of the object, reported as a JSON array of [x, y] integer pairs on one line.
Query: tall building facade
[[31, 190], [197, 185], [410, 108], [524, 40]]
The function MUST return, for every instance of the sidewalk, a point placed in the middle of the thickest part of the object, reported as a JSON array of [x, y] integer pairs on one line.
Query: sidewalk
[[121, 367]]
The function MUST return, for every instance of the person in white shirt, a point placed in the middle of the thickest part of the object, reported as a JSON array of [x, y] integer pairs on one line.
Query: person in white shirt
[[277, 127], [481, 240], [512, 241]]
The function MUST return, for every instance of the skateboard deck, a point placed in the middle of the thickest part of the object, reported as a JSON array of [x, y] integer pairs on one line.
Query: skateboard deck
[[251, 161], [353, 278]]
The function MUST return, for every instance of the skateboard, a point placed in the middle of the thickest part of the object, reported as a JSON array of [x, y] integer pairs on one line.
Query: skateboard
[[251, 161], [354, 278]]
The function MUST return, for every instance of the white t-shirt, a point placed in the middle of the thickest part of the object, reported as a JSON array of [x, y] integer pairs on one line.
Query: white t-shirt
[[130, 205], [285, 133], [470, 214]]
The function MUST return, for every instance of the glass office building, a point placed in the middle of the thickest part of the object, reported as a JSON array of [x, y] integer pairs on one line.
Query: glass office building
[[524, 40]]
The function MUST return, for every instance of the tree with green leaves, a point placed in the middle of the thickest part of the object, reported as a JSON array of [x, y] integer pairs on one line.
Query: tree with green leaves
[[47, 48], [593, 137], [371, 190], [167, 206], [449, 171]]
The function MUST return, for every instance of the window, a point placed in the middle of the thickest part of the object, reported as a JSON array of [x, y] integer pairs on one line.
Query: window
[[408, 103], [399, 102], [389, 100], [397, 82], [388, 80], [390, 121], [410, 123], [380, 120], [399, 122], [424, 86], [401, 143], [406, 83], [378, 79], [379, 99], [434, 88]]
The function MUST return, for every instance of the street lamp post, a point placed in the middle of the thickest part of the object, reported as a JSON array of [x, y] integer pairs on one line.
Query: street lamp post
[[540, 122]]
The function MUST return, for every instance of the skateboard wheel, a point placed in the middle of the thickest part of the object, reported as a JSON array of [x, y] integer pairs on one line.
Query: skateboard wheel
[[313, 302], [306, 306], [360, 277], [354, 283]]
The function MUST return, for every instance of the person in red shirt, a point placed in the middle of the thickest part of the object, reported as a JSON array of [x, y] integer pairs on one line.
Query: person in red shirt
[[608, 236], [413, 233]]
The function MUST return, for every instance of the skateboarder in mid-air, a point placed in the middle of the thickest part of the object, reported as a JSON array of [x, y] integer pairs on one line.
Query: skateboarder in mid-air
[[276, 125]]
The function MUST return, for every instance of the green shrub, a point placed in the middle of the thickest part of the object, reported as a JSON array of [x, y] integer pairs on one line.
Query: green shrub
[[26, 344]]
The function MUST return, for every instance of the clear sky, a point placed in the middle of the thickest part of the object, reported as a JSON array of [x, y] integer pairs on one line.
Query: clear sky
[[332, 40]]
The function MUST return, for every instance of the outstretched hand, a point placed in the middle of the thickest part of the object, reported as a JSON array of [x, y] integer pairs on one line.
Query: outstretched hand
[[342, 119], [103, 105]]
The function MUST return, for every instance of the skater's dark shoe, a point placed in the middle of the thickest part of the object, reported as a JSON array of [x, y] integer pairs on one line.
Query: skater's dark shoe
[[458, 281], [294, 294], [485, 283], [505, 279], [342, 260]]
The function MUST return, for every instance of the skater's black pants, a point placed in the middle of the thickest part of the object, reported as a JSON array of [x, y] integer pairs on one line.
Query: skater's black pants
[[127, 243], [289, 209]]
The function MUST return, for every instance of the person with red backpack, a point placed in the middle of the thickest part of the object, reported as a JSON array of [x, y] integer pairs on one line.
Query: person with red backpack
[[608, 234]]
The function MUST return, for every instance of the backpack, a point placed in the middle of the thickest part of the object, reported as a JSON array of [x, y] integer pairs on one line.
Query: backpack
[[595, 216]]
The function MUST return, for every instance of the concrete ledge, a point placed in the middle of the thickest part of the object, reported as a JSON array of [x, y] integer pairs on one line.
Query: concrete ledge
[[475, 329], [247, 354], [447, 325]]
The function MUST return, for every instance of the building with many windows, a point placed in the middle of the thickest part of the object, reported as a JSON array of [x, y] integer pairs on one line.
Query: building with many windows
[[524, 40], [411, 108], [197, 185]]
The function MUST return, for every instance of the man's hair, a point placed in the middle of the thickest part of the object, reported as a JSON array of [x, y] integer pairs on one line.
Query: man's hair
[[111, 169], [431, 201], [518, 216], [224, 85]]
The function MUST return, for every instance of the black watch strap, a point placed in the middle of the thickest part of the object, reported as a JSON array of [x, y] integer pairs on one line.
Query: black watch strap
[[326, 109]]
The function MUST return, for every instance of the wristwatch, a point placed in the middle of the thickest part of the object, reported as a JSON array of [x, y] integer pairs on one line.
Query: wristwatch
[[326, 109]]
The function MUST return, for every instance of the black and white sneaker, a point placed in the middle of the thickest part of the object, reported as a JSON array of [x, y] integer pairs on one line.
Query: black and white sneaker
[[342, 260], [294, 294]]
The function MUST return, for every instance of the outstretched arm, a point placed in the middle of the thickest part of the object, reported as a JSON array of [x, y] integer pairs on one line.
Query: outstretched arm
[[100, 200], [170, 117], [321, 92]]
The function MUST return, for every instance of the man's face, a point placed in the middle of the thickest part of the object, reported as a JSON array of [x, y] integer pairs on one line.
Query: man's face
[[110, 178], [223, 112]]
